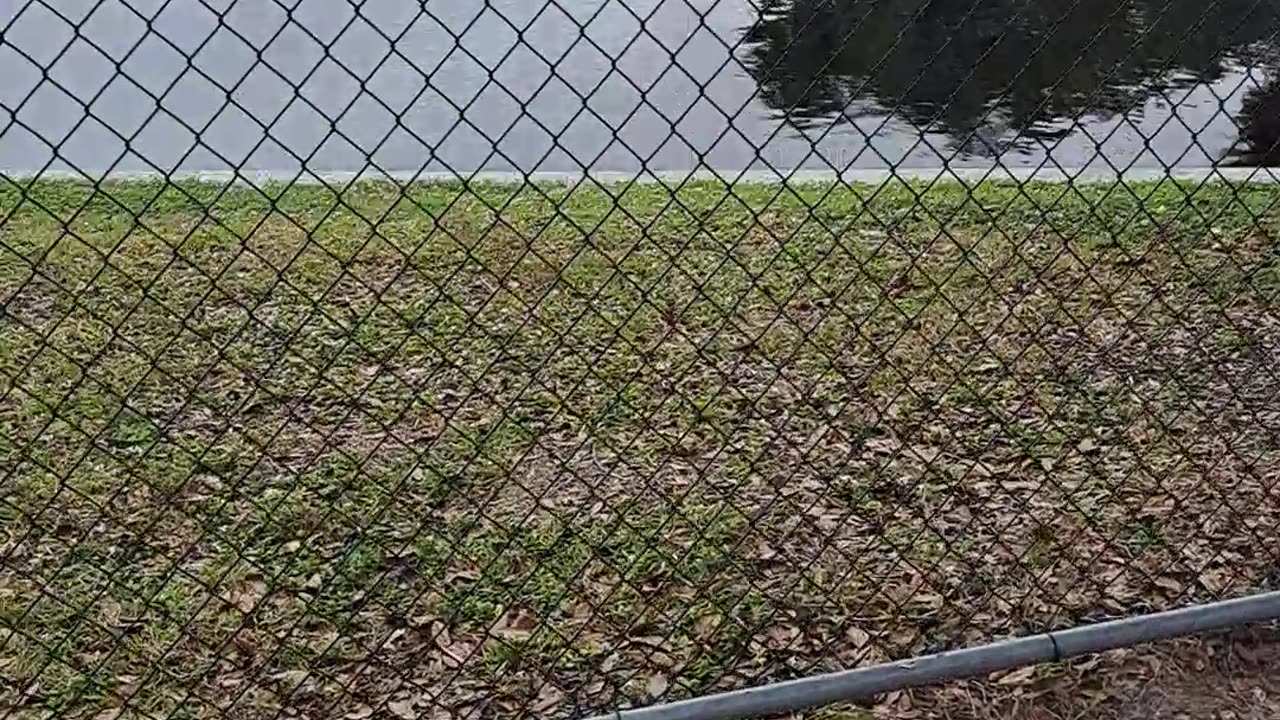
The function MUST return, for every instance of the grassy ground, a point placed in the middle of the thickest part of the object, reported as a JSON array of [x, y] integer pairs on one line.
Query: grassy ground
[[501, 450]]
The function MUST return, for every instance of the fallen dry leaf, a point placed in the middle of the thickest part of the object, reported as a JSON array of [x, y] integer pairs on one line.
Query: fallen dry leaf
[[549, 697], [245, 643], [402, 709], [888, 700], [1087, 665], [928, 599], [857, 637], [925, 453], [706, 626], [289, 678], [765, 551], [247, 596], [779, 637], [361, 712], [516, 623], [658, 684], [1017, 677], [456, 652]]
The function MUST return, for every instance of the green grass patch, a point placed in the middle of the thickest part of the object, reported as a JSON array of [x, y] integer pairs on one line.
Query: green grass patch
[[316, 448]]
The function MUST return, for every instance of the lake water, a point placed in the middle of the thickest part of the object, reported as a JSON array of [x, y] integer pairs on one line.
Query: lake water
[[617, 85]]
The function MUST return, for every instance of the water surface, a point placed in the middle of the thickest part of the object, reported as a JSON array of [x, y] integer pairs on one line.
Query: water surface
[[461, 85]]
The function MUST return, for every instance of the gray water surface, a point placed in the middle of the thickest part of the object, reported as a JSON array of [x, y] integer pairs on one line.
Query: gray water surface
[[619, 85]]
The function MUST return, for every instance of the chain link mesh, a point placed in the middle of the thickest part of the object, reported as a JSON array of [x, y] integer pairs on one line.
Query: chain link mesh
[[343, 428]]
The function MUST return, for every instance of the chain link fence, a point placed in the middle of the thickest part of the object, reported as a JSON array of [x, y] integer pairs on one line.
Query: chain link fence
[[390, 358]]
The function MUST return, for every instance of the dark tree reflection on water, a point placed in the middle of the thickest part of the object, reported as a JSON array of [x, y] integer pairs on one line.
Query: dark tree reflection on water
[[998, 74], [1259, 121]]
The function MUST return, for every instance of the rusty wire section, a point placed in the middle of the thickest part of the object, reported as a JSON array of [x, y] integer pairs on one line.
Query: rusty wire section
[[289, 447]]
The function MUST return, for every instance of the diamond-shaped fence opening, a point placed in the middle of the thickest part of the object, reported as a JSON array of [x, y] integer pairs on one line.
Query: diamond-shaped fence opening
[[454, 360]]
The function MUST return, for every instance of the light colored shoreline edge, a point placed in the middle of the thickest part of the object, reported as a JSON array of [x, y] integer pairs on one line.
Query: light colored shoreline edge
[[1267, 175]]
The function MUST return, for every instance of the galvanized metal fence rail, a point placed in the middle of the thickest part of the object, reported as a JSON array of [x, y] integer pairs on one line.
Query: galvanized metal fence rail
[[662, 358]]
